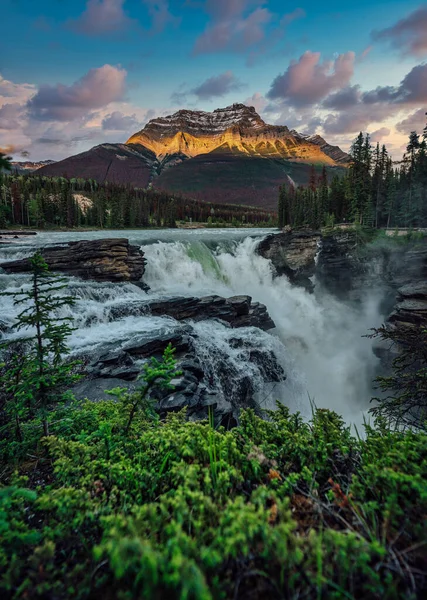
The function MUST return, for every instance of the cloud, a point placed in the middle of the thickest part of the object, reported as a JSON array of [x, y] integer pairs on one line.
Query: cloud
[[101, 17], [354, 110], [344, 98], [307, 81], [235, 25], [17, 91], [55, 121], [160, 15], [416, 121], [380, 134], [117, 121], [10, 116], [217, 86], [97, 88], [409, 35], [258, 101]]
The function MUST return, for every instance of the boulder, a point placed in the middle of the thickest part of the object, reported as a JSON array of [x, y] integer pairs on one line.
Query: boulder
[[237, 311], [101, 260]]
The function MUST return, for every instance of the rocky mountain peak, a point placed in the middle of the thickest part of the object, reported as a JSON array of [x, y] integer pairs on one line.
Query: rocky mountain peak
[[199, 123]]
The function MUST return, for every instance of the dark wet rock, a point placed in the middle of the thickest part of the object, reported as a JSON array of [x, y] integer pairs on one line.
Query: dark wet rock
[[414, 290], [411, 306], [16, 233], [293, 254], [4, 327], [156, 346], [100, 260], [216, 383], [95, 389], [339, 265], [237, 311]]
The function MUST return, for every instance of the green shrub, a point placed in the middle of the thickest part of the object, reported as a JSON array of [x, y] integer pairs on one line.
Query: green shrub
[[276, 508]]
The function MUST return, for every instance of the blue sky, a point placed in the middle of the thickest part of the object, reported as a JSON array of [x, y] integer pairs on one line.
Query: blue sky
[[74, 74]]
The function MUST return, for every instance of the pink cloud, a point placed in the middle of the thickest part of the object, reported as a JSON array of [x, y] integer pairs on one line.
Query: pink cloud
[[307, 81], [97, 88], [258, 101]]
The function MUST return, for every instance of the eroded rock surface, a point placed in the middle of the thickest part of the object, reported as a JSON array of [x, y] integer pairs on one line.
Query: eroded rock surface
[[292, 253], [101, 260], [237, 311]]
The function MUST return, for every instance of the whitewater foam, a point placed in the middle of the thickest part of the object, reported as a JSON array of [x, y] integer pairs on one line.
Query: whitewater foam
[[317, 341]]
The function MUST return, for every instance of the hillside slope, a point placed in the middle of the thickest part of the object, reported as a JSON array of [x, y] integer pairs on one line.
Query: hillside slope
[[228, 155]]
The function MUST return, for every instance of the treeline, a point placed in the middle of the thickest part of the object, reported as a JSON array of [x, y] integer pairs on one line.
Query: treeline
[[374, 192], [38, 201]]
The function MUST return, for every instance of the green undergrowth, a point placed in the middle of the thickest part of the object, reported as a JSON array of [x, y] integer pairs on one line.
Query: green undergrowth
[[274, 508]]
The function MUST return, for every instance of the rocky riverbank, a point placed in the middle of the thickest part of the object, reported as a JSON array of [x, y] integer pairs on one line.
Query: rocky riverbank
[[119, 365]]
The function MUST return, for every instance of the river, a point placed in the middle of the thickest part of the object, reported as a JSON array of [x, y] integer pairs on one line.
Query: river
[[318, 339]]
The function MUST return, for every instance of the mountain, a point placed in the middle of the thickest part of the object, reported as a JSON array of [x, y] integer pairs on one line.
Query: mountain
[[118, 163], [228, 155], [29, 166]]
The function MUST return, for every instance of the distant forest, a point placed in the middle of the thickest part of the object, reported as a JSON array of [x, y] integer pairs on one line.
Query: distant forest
[[39, 201], [375, 192]]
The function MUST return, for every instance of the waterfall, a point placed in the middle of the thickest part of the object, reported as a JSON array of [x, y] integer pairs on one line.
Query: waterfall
[[317, 341]]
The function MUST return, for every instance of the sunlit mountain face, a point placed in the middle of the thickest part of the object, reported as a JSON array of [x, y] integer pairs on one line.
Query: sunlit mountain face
[[229, 154]]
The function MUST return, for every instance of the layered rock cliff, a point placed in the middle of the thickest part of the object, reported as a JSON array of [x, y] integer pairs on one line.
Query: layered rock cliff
[[101, 260], [237, 128]]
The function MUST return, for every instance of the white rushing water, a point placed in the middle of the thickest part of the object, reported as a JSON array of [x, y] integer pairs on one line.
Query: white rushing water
[[318, 339]]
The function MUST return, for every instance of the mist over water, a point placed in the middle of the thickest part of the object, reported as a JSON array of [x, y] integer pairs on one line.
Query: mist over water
[[327, 358], [318, 338]]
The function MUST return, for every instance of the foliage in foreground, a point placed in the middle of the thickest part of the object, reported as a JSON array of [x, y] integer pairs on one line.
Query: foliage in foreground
[[405, 401], [274, 508], [36, 374]]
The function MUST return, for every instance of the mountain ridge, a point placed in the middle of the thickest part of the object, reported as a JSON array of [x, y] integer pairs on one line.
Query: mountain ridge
[[227, 155]]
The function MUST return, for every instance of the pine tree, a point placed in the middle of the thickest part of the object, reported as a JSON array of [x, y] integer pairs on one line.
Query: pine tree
[[34, 382], [5, 164]]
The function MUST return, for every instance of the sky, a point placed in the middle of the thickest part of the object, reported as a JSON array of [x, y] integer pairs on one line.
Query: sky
[[77, 73]]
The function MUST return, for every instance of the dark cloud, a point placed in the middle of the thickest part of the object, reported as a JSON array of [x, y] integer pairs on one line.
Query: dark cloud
[[96, 89], [380, 134], [358, 118], [64, 142], [101, 17], [355, 110], [217, 86], [117, 121], [416, 121], [409, 35], [308, 81], [345, 98]]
